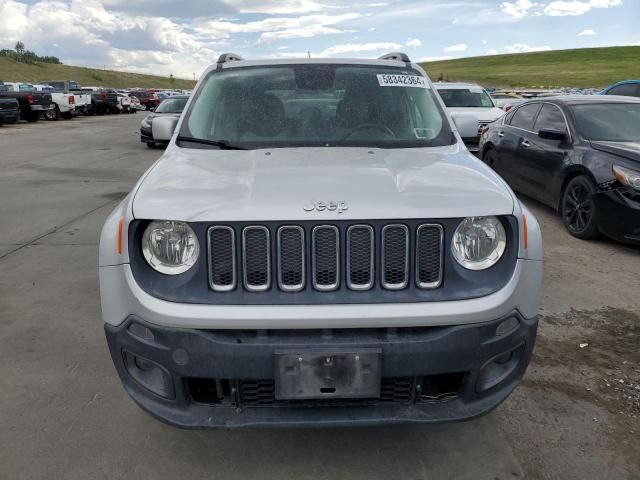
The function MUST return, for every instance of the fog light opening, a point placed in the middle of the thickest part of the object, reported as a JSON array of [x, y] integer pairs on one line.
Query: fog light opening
[[149, 375]]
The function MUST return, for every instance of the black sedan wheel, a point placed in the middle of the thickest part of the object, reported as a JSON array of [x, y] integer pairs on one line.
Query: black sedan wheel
[[578, 209], [490, 157]]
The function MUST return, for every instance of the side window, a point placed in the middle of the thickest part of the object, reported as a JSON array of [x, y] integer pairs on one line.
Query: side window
[[550, 117], [628, 89], [524, 116]]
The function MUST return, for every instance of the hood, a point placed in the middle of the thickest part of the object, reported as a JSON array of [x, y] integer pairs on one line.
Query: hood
[[482, 114], [630, 150], [247, 185]]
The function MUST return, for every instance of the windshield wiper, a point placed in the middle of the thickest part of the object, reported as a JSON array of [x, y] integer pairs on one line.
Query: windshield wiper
[[221, 144]]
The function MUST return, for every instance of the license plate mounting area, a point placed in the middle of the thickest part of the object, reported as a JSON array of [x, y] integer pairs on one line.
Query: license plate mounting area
[[327, 374]]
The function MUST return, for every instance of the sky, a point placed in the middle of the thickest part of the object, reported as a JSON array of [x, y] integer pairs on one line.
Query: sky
[[183, 37]]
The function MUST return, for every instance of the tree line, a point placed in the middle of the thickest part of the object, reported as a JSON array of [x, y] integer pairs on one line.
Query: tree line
[[21, 54]]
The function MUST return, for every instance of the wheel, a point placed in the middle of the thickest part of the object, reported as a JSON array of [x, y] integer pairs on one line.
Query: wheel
[[151, 145], [90, 110], [143, 106], [53, 114], [578, 210], [490, 157]]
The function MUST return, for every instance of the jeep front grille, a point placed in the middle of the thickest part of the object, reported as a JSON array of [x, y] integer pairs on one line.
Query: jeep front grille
[[354, 257], [222, 258]]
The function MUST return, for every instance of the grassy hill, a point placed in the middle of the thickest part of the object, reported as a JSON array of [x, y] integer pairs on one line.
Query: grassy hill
[[12, 71], [588, 67]]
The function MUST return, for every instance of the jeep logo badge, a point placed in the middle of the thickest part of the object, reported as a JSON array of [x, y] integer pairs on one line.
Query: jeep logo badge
[[330, 206]]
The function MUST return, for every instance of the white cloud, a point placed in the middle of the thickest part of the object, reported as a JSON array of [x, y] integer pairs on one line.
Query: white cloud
[[493, 51], [460, 47], [521, 8], [587, 33], [575, 7], [276, 28], [518, 9], [359, 47], [413, 42], [522, 48]]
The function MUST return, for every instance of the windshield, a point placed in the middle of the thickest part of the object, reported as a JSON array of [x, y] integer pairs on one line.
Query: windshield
[[172, 105], [619, 122], [465, 97], [317, 105]]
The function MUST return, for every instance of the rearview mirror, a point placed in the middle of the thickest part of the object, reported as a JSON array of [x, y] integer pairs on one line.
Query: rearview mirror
[[467, 125], [163, 128], [552, 134]]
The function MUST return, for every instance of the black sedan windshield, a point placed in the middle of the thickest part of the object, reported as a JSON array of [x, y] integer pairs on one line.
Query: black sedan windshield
[[317, 105], [613, 122]]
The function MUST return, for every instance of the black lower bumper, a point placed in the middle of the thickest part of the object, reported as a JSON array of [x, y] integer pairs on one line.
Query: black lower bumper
[[619, 215], [9, 116], [146, 135], [225, 378]]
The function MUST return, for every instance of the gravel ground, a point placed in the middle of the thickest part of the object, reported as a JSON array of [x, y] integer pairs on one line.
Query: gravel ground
[[577, 413]]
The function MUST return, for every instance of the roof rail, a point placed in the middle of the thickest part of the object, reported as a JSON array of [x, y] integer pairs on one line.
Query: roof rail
[[229, 57], [397, 56]]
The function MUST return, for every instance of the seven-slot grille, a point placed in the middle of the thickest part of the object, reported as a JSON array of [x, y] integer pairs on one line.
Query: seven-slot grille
[[384, 257]]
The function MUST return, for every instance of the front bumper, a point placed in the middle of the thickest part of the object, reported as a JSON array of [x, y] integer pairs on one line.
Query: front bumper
[[146, 135], [9, 116], [224, 378], [621, 217]]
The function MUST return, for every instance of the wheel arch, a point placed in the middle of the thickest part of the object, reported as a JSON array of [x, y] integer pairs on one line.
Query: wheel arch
[[571, 173]]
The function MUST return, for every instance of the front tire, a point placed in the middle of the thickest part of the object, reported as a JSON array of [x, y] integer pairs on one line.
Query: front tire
[[578, 209], [490, 157], [151, 145]]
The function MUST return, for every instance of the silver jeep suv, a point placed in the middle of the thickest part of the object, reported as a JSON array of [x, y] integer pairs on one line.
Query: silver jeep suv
[[317, 246]]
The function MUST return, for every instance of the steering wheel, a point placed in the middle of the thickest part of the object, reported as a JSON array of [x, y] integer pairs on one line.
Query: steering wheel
[[364, 126]]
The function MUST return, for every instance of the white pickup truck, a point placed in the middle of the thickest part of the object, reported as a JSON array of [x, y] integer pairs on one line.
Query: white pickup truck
[[66, 104]]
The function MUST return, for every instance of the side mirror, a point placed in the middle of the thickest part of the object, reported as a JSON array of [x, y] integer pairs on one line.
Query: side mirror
[[163, 127], [552, 134], [467, 125]]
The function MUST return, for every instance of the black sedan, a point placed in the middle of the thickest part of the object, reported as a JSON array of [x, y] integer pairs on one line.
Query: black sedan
[[577, 154], [169, 106]]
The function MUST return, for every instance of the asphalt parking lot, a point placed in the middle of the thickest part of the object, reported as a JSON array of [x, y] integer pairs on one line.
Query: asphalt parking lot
[[63, 413]]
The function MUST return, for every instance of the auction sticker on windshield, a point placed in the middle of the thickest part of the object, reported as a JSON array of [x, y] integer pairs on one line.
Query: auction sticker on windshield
[[388, 80]]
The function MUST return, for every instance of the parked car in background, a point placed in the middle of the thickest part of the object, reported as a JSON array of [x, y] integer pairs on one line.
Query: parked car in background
[[628, 88], [317, 247], [506, 101], [578, 154], [171, 106], [472, 100], [83, 100], [148, 100], [101, 100], [32, 104], [65, 103], [9, 110]]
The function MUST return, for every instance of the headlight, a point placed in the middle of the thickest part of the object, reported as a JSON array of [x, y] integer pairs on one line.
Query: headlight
[[146, 123], [170, 247], [627, 177], [479, 242]]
